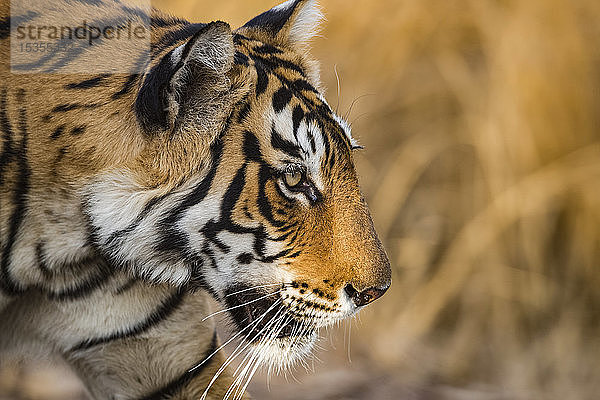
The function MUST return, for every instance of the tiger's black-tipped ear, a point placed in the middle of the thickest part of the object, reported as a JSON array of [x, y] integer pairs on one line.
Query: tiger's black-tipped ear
[[179, 86], [293, 23]]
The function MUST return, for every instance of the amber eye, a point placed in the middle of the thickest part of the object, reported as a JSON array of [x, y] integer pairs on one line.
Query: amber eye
[[292, 178]]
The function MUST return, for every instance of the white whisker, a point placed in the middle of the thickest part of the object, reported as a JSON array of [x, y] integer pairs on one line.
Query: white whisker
[[226, 343], [347, 114], [240, 305], [257, 287], [237, 351], [271, 322], [251, 356], [349, 337], [337, 78]]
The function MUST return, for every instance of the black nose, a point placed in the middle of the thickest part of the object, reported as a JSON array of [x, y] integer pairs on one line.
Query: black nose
[[366, 296]]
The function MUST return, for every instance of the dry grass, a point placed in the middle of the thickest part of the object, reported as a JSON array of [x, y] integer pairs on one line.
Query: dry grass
[[481, 120]]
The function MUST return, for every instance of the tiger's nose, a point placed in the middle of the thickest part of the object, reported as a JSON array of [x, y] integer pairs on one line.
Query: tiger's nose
[[366, 296]]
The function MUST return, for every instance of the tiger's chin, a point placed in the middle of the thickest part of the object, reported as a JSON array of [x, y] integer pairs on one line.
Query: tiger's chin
[[276, 335], [283, 353]]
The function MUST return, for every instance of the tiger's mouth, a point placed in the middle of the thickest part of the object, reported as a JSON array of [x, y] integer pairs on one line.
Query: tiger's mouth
[[262, 316]]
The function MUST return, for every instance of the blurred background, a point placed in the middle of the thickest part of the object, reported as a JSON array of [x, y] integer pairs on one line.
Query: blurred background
[[481, 122]]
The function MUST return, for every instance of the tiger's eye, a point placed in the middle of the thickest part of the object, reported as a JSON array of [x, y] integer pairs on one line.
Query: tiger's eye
[[292, 178]]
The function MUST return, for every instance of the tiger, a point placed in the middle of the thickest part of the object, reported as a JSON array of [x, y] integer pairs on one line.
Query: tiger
[[215, 173]]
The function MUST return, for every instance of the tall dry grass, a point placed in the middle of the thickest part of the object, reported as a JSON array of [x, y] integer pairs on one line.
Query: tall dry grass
[[481, 121]]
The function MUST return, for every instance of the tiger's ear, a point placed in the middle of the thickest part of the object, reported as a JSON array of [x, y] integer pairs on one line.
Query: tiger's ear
[[182, 87], [293, 23]]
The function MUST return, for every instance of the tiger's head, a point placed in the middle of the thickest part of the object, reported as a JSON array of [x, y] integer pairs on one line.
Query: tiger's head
[[246, 186]]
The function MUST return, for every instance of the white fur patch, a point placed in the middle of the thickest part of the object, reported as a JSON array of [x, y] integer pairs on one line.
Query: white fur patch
[[119, 198], [307, 21], [284, 5], [114, 201], [346, 127], [176, 55], [281, 354]]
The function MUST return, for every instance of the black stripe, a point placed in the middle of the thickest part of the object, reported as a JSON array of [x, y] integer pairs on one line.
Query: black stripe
[[272, 63], [230, 198], [295, 236], [41, 263], [178, 35], [78, 130], [127, 86], [210, 231], [157, 316], [311, 140], [159, 21], [61, 108], [332, 161], [85, 288], [303, 85], [7, 154], [16, 20], [241, 59], [233, 193], [270, 259], [262, 201], [194, 197], [245, 258], [7, 284], [325, 139], [177, 384], [4, 28], [126, 286], [207, 251], [330, 155], [57, 132], [267, 49], [251, 147], [273, 20], [244, 111], [88, 83], [175, 243], [281, 98], [65, 107], [262, 80], [280, 143], [150, 205], [297, 116]]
